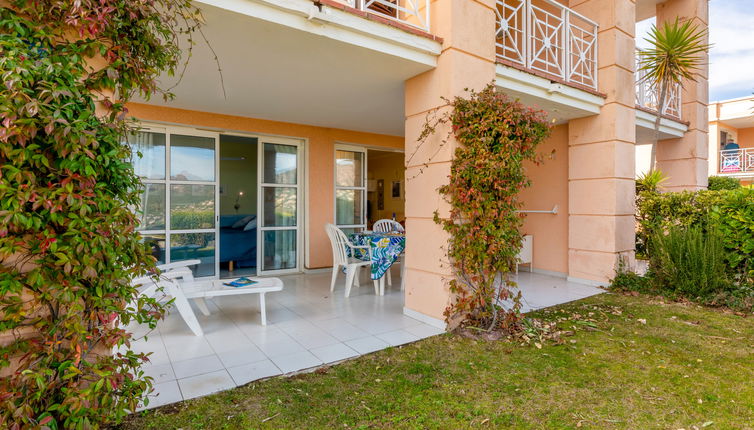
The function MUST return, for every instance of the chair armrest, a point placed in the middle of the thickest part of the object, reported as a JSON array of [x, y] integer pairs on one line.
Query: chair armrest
[[178, 265], [367, 247], [182, 273]]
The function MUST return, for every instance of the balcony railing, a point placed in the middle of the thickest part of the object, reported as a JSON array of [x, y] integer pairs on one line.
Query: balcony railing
[[734, 161], [648, 96], [410, 12], [544, 36]]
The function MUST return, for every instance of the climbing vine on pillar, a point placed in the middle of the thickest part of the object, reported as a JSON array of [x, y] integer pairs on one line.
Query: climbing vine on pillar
[[496, 137], [68, 240]]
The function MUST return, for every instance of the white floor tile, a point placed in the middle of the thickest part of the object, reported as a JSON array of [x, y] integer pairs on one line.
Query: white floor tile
[[342, 329], [314, 338], [285, 345], [160, 372], [196, 366], [249, 354], [308, 326], [332, 353], [398, 337], [296, 361], [208, 383], [252, 371], [366, 345], [164, 393], [424, 330], [183, 347]]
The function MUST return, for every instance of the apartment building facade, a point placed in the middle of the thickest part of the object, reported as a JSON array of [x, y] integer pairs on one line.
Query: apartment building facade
[[731, 139], [279, 117]]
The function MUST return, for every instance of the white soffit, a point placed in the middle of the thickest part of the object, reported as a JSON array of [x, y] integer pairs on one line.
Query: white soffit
[[303, 72], [645, 126], [336, 24], [561, 102]]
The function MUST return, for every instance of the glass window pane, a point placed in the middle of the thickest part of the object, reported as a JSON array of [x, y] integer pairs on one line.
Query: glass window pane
[[279, 250], [152, 208], [280, 164], [192, 158], [279, 206], [189, 246], [350, 231], [156, 243], [348, 204], [349, 170], [148, 154], [192, 206]]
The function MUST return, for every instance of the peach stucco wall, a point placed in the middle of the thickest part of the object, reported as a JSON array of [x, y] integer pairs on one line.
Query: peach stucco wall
[[549, 188], [746, 137], [320, 152], [467, 61]]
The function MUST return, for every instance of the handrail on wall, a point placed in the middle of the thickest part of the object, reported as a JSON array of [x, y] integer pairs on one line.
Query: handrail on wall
[[553, 211]]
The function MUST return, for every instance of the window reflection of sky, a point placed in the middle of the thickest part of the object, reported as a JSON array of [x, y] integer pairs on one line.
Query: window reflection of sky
[[192, 164], [284, 163], [151, 164]]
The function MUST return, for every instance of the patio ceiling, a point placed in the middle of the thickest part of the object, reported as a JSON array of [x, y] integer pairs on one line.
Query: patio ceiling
[[277, 72]]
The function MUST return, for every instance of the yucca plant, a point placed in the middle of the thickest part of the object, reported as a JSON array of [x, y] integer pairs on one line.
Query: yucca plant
[[675, 55], [650, 181]]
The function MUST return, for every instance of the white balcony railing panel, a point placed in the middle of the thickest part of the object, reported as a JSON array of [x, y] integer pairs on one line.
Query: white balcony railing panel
[[734, 161], [411, 12], [648, 96], [544, 36]]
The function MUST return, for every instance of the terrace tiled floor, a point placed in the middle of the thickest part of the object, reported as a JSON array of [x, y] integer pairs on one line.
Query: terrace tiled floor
[[307, 327]]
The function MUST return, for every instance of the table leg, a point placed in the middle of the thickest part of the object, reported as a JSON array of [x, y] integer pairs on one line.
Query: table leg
[[202, 305], [382, 285], [262, 308], [230, 266]]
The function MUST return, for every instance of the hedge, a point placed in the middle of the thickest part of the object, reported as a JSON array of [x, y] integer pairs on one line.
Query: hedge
[[731, 211]]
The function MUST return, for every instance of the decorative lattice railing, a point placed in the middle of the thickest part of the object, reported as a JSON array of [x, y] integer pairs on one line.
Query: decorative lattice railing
[[648, 96], [545, 36], [411, 12]]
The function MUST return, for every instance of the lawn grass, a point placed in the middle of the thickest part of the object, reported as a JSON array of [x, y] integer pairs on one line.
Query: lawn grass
[[634, 362]]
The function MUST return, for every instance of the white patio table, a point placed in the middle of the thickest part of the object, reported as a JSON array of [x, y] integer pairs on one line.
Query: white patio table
[[199, 290]]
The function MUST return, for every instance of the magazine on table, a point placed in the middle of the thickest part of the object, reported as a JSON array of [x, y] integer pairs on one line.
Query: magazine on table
[[240, 282]]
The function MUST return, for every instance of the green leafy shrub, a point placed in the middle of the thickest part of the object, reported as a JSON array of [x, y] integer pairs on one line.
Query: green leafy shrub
[[717, 183], [731, 212], [690, 262], [191, 219], [627, 281], [68, 245], [497, 137]]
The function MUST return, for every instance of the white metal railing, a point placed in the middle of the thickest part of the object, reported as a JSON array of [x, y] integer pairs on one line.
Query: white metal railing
[[648, 96], [411, 12], [737, 160], [545, 36]]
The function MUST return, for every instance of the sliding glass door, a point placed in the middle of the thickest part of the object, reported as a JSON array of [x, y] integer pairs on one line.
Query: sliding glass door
[[350, 188], [280, 205], [179, 203]]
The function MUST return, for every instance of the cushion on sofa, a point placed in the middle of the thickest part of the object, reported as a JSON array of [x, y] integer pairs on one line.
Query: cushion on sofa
[[242, 222]]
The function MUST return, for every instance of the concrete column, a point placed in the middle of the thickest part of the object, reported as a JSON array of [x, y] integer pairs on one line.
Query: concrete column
[[601, 152], [684, 160], [467, 61]]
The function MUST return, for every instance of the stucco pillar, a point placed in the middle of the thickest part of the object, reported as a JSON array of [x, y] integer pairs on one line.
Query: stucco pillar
[[684, 160], [601, 152], [467, 61]]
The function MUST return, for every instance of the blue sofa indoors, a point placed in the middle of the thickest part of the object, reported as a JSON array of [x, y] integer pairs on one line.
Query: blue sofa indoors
[[236, 244]]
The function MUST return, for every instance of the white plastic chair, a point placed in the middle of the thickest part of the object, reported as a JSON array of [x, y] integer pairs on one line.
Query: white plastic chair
[[340, 257], [390, 226], [149, 286]]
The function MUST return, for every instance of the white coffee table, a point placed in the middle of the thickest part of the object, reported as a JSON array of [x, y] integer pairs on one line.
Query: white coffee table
[[200, 290]]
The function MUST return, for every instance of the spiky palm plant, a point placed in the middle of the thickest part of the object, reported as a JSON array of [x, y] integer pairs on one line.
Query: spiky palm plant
[[675, 54]]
